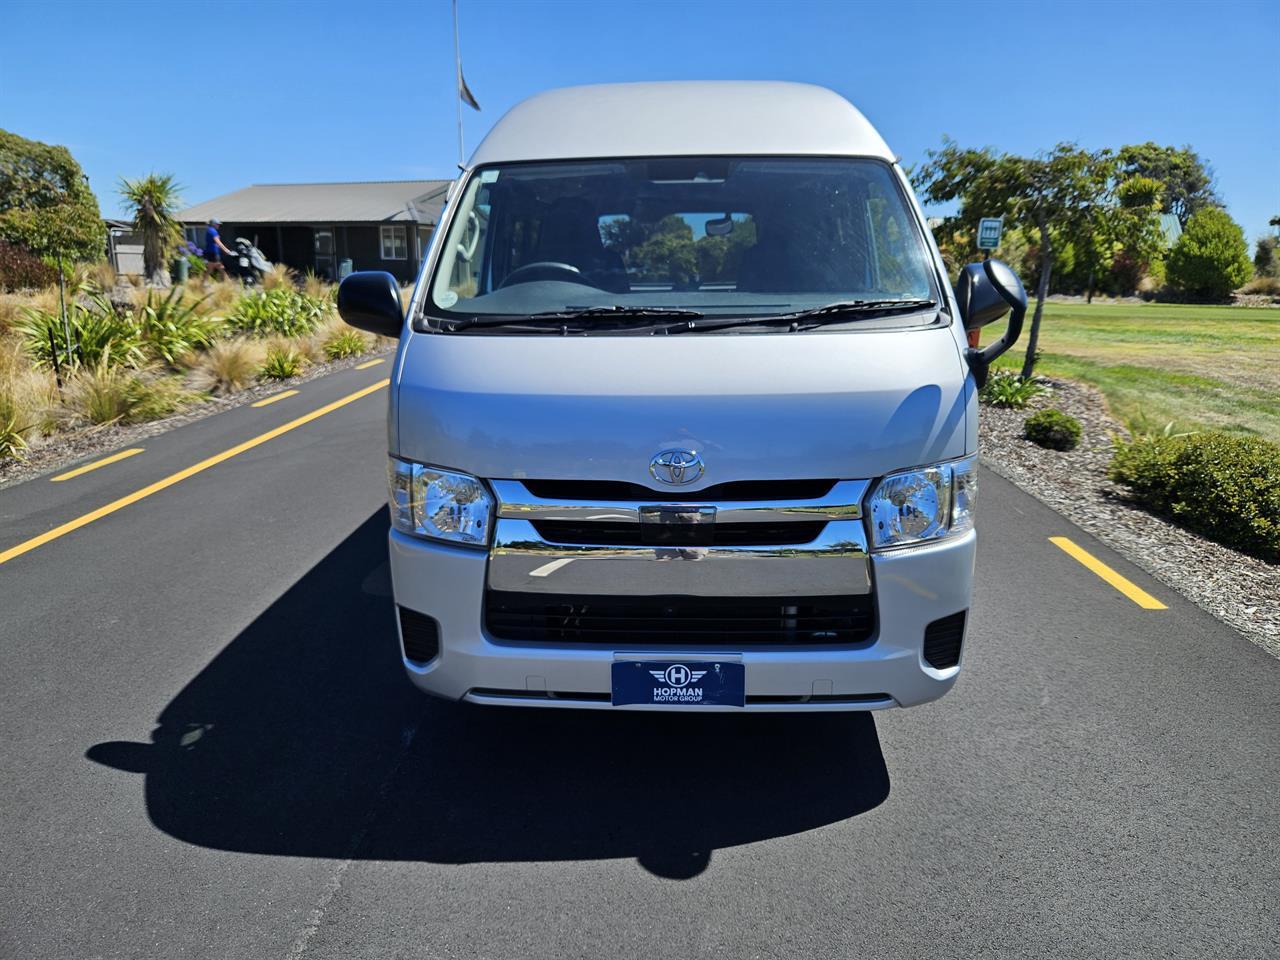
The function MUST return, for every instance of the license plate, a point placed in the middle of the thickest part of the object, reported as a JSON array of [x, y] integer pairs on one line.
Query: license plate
[[689, 683]]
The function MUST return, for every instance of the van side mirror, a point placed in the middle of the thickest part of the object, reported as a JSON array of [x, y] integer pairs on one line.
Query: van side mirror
[[986, 292], [370, 300]]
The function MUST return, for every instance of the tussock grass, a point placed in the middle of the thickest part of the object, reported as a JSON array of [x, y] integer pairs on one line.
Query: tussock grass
[[227, 367], [104, 394], [280, 277], [27, 397]]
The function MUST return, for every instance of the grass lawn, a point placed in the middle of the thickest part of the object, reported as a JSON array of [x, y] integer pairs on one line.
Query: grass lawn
[[1202, 367]]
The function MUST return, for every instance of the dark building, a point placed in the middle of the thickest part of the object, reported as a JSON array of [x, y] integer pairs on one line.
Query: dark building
[[384, 225]]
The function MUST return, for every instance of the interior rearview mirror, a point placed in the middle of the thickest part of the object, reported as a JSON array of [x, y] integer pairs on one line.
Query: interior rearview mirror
[[370, 300], [720, 227], [985, 292]]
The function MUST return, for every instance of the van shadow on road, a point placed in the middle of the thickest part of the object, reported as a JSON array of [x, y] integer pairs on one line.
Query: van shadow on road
[[303, 738]]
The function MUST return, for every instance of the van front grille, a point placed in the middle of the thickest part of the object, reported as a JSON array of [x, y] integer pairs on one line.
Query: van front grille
[[622, 534], [618, 491], [680, 620]]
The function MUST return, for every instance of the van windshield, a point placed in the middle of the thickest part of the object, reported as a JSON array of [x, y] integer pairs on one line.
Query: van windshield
[[720, 236]]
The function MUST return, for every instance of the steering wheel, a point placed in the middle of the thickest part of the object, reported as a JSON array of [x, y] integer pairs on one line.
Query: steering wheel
[[545, 270]]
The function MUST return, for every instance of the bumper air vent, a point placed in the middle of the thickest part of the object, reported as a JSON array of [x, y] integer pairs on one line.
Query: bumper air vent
[[421, 635], [942, 640], [680, 620]]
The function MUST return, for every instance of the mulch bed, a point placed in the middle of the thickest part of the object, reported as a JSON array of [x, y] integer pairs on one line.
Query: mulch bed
[[1239, 590]]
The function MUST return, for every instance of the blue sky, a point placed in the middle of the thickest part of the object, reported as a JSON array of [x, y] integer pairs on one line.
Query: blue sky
[[223, 94]]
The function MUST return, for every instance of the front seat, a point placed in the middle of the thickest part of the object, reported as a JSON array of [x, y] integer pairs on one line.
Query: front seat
[[570, 233]]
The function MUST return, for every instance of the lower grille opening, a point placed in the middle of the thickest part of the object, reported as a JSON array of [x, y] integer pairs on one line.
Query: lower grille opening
[[942, 640], [541, 695], [613, 534], [820, 698], [421, 635], [680, 620]]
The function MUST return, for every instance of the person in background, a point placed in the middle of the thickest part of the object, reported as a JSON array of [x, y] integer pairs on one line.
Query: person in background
[[214, 248]]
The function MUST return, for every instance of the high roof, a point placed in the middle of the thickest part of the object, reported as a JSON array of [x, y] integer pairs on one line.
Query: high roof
[[386, 201], [681, 119]]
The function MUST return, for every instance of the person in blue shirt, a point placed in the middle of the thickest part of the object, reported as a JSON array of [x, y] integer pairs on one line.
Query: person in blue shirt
[[214, 248]]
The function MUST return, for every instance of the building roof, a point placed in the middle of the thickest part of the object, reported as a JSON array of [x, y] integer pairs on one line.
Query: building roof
[[386, 201], [681, 119]]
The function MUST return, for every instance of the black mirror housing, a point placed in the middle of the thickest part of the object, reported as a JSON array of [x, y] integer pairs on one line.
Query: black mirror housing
[[985, 292], [370, 300]]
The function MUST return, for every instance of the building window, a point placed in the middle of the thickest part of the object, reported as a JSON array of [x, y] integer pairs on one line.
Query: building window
[[394, 246]]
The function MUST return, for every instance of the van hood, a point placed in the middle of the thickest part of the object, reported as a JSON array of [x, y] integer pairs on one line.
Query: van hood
[[846, 405]]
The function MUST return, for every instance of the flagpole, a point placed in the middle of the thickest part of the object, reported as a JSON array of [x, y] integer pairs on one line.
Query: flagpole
[[457, 86]]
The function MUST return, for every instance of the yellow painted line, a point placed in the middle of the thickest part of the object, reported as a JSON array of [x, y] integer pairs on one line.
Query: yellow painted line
[[122, 455], [71, 525], [1125, 586], [274, 397], [370, 363]]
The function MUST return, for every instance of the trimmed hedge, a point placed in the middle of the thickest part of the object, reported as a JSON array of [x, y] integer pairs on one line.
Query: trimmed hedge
[[1222, 486], [1053, 429]]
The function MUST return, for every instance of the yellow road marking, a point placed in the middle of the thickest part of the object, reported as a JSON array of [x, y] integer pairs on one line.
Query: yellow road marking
[[370, 363], [274, 397], [123, 454], [191, 471], [1125, 586]]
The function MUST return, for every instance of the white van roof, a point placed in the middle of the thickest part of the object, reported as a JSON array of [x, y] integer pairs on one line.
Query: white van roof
[[681, 119]]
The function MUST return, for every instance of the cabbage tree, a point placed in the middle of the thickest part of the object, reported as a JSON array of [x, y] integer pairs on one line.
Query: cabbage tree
[[152, 202]]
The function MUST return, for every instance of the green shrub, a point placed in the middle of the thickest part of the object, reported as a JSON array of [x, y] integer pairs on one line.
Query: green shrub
[[21, 270], [282, 311], [345, 343], [1211, 257], [1222, 486], [1053, 429], [1007, 389], [283, 363], [171, 327], [100, 333]]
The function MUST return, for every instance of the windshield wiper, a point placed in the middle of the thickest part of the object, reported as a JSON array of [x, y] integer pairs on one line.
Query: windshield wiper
[[550, 320], [827, 313]]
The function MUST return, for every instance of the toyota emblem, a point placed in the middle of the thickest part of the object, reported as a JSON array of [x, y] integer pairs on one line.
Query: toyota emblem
[[676, 467]]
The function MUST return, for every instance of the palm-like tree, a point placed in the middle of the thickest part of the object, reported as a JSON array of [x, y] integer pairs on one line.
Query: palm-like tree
[[153, 201]]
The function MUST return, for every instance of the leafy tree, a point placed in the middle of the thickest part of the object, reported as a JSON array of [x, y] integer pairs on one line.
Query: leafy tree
[[1057, 194], [1211, 257], [1132, 227], [46, 205], [1187, 180], [152, 201]]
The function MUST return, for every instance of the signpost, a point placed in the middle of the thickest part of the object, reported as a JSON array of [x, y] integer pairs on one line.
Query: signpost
[[989, 230]]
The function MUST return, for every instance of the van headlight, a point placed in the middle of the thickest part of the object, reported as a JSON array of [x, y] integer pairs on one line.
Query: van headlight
[[439, 504], [923, 505]]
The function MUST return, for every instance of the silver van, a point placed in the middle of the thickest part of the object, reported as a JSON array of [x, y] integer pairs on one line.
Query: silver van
[[684, 414]]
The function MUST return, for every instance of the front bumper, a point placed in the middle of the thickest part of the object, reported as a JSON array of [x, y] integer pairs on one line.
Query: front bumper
[[913, 588]]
